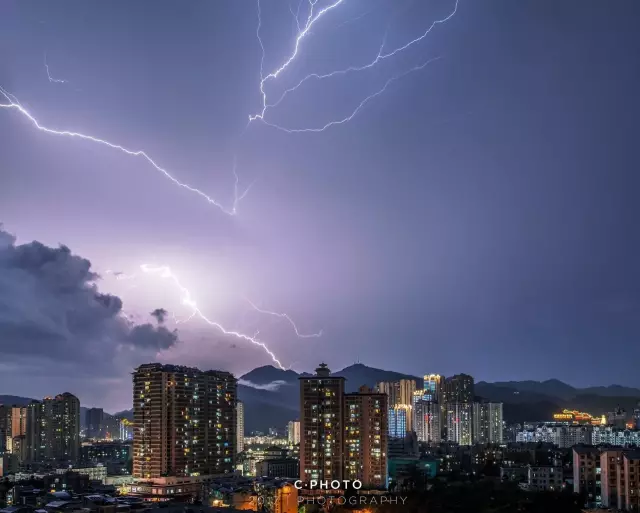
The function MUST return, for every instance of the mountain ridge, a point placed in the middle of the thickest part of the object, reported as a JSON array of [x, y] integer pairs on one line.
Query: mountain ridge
[[272, 396]]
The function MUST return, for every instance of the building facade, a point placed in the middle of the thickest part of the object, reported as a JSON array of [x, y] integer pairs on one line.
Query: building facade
[[293, 432], [544, 479], [321, 426], [426, 419], [459, 425], [184, 421], [52, 429], [94, 421], [487, 423], [608, 435], [562, 435], [399, 393], [586, 474], [239, 427], [629, 482], [610, 461], [397, 421], [278, 468], [18, 421], [458, 389], [432, 388], [365, 444]]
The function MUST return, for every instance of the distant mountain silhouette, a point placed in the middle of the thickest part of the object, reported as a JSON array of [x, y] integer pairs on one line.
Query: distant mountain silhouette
[[558, 389], [359, 374], [125, 414], [523, 400], [10, 400], [268, 374]]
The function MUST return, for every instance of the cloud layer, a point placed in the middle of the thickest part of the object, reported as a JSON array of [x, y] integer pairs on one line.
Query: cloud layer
[[271, 387], [51, 310]]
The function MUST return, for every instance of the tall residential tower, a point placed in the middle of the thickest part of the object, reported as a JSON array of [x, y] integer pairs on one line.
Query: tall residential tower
[[365, 445], [184, 421], [321, 426]]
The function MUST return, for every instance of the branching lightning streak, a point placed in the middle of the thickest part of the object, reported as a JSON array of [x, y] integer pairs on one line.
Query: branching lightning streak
[[165, 272], [285, 316], [311, 19], [16, 105], [237, 198], [381, 56], [358, 108], [51, 79]]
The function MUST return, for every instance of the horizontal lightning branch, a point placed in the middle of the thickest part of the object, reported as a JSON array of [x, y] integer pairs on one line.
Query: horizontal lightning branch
[[15, 105], [358, 108], [304, 31], [289, 320]]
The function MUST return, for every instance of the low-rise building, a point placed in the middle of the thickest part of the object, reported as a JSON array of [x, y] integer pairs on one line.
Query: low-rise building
[[162, 489], [95, 473], [615, 436], [281, 467], [561, 434], [401, 469], [628, 482], [586, 474], [610, 461], [544, 478], [517, 474]]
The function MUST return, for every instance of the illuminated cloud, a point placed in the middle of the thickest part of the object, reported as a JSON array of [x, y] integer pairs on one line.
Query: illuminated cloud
[[271, 387], [51, 309]]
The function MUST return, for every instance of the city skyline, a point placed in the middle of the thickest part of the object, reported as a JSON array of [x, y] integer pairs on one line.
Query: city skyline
[[475, 216]]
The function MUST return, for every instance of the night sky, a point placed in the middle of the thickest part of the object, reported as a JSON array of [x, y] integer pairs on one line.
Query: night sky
[[479, 216]]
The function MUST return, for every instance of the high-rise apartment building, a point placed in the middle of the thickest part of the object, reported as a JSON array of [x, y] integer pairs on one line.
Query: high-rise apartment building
[[487, 423], [57, 434], [432, 388], [365, 444], [458, 389], [392, 390], [13, 424], [33, 438], [426, 419], [399, 393], [407, 388], [398, 421], [94, 421], [18, 421], [458, 418], [293, 432], [184, 421], [239, 427], [322, 426]]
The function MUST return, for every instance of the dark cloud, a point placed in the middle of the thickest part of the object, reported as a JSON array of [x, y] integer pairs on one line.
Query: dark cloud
[[148, 336], [51, 308], [160, 314]]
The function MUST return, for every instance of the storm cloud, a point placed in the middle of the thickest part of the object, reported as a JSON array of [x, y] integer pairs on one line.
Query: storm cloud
[[160, 315], [51, 308]]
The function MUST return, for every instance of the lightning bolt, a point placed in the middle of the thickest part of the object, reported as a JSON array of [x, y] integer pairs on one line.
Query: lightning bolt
[[51, 79], [358, 108], [165, 272], [17, 106], [311, 20], [381, 56], [289, 320]]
